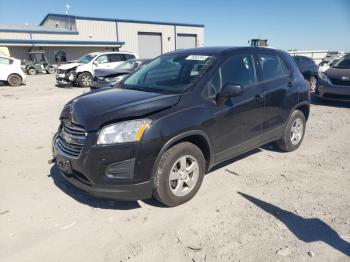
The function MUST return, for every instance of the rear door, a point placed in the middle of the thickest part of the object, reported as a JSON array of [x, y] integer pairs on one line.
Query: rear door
[[115, 60], [279, 92]]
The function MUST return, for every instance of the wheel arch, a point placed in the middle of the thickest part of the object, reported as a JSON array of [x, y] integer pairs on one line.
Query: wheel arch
[[304, 107], [196, 137]]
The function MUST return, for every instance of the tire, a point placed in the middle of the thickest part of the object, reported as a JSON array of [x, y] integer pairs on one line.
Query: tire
[[313, 83], [174, 192], [14, 80], [84, 80], [31, 71], [294, 132], [50, 70]]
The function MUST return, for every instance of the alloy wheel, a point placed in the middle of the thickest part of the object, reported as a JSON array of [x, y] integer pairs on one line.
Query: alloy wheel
[[297, 131], [184, 175]]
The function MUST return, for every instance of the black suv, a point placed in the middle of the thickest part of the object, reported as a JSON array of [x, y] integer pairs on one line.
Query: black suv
[[308, 69], [177, 117]]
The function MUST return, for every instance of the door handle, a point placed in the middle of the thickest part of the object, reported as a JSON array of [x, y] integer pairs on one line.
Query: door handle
[[290, 84]]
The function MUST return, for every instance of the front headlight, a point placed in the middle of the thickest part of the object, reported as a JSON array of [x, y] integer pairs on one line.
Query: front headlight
[[324, 77], [113, 79], [128, 131]]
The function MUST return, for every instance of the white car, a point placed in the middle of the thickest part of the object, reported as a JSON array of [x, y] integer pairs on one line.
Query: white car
[[11, 71], [81, 71]]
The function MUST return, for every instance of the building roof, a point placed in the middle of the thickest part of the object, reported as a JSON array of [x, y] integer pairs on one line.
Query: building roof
[[119, 20], [17, 28]]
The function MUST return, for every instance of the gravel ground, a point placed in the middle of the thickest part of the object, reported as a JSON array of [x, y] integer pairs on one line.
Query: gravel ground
[[263, 206]]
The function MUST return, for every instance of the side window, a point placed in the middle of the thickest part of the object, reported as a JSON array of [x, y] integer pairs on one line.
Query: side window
[[5, 61], [273, 67], [307, 62], [115, 58], [297, 60], [102, 59], [238, 69], [128, 57]]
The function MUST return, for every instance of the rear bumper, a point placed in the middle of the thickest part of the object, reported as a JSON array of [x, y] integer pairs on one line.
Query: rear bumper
[[332, 92]]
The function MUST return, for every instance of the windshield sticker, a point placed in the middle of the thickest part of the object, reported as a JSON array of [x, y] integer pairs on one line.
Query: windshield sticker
[[197, 57]]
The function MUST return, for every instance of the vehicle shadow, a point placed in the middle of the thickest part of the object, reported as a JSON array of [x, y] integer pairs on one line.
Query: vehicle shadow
[[86, 199], [305, 229], [320, 102]]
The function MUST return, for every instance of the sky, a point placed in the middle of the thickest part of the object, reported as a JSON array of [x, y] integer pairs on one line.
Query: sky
[[287, 24]]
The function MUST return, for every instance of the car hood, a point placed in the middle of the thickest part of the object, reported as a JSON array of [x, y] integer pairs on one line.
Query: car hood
[[68, 66], [110, 72], [337, 73], [94, 109]]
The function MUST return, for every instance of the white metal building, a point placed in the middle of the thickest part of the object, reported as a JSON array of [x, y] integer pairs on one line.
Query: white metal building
[[67, 37]]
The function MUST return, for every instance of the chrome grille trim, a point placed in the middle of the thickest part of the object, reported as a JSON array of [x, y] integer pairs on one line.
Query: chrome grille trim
[[70, 140]]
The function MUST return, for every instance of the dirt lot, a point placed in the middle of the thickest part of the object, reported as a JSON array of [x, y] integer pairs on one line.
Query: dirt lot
[[264, 206]]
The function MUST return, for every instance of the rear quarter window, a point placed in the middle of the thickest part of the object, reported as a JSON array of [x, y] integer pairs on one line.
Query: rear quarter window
[[273, 67]]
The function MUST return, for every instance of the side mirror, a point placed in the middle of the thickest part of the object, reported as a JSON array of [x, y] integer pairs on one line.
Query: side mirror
[[95, 63], [229, 90]]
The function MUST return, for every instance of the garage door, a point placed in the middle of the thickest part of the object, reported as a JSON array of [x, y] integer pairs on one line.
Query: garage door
[[150, 45], [186, 41]]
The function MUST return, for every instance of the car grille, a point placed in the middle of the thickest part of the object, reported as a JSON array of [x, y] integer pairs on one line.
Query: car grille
[[71, 139], [61, 71], [339, 82]]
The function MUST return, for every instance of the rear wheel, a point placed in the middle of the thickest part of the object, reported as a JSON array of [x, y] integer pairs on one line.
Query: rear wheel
[[14, 80], [293, 133], [51, 70], [179, 174], [31, 71], [84, 80]]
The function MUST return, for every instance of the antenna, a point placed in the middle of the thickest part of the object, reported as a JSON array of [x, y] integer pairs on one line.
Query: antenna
[[67, 8], [67, 14]]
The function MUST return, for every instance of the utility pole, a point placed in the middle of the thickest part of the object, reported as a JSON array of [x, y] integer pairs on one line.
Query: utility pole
[[67, 13]]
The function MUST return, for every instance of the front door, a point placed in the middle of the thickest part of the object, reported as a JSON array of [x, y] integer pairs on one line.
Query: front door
[[236, 126]]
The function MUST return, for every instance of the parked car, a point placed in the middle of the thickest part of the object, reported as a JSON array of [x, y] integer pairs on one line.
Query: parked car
[[308, 69], [81, 71], [334, 83], [108, 78], [11, 71], [176, 118], [326, 64], [38, 63]]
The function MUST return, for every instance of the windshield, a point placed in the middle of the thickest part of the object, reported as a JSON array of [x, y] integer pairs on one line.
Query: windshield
[[128, 65], [343, 62], [86, 58], [172, 73]]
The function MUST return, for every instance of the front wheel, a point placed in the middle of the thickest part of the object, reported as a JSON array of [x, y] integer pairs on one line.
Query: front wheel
[[14, 80], [84, 80], [179, 174], [293, 133]]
